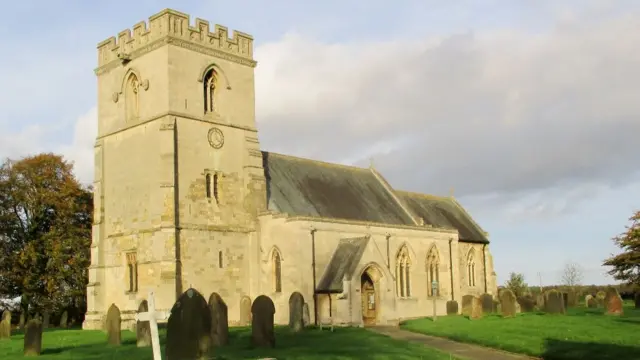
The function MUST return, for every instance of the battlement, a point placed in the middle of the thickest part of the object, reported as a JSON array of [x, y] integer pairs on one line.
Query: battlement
[[173, 26]]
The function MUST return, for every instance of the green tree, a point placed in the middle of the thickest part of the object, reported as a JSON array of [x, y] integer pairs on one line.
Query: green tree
[[516, 284], [626, 266], [45, 232]]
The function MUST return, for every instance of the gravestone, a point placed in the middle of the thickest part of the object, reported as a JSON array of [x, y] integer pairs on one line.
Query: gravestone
[[600, 295], [296, 304], [189, 328], [476, 308], [487, 303], [262, 312], [527, 303], [452, 307], [5, 325], [33, 338], [467, 302], [219, 320], [152, 317], [508, 303], [143, 328], [572, 299], [613, 302], [591, 301], [112, 325], [565, 299], [554, 302], [63, 320], [21, 321], [306, 318], [45, 320], [540, 301], [636, 299], [245, 311]]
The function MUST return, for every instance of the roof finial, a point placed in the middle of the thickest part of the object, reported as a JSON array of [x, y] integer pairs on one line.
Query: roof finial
[[451, 191]]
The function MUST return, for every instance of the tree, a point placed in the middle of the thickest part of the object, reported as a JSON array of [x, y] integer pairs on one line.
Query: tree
[[45, 231], [626, 266], [572, 274], [516, 284]]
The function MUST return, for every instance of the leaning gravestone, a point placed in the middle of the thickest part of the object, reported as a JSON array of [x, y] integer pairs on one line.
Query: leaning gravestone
[[63, 320], [262, 312], [5, 325], [33, 338], [219, 320], [296, 304], [613, 302], [112, 324], [189, 328], [245, 311], [554, 302], [507, 303], [527, 303], [143, 328], [487, 303], [306, 319], [452, 307], [467, 302]]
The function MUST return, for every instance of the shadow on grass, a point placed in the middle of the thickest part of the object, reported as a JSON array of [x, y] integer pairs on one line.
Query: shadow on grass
[[571, 350]]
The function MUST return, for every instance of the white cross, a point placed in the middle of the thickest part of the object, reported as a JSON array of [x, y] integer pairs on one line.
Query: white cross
[[152, 317]]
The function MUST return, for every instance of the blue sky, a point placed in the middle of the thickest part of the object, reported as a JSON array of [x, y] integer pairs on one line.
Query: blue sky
[[528, 109]]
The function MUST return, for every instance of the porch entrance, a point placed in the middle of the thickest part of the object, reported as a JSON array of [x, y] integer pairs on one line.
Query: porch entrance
[[370, 304]]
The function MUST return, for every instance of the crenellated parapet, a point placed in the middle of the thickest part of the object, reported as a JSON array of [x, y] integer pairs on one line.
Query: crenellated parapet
[[170, 26]]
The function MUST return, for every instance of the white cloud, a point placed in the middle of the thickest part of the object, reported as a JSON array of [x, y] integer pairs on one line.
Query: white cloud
[[81, 149]]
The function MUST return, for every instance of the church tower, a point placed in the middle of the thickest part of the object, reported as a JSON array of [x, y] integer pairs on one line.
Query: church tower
[[178, 170]]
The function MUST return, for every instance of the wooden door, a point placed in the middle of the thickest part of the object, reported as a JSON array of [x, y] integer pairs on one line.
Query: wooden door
[[369, 303]]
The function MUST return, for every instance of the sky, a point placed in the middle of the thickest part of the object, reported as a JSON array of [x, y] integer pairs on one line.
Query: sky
[[529, 110]]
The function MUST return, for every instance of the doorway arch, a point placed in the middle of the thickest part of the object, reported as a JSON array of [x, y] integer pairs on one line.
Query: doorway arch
[[370, 295]]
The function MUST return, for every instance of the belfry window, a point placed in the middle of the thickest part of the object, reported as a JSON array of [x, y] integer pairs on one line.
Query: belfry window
[[209, 83], [132, 100]]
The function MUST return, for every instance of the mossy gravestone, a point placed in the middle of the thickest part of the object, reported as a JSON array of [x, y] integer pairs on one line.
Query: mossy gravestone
[[219, 320], [452, 307], [296, 304], [112, 325], [5, 325], [507, 303], [554, 302], [262, 312], [613, 302], [189, 328], [467, 302], [487, 303], [143, 329], [33, 338]]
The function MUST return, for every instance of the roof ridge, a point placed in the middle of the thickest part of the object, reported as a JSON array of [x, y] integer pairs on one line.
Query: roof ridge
[[319, 162], [432, 196]]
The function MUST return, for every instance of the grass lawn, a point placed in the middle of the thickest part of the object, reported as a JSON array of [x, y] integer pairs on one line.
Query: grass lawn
[[581, 334], [343, 343]]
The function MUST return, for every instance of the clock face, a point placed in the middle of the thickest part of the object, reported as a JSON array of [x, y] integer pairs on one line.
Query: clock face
[[216, 138]]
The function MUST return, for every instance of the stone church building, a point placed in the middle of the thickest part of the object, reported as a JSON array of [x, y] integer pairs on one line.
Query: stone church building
[[185, 198]]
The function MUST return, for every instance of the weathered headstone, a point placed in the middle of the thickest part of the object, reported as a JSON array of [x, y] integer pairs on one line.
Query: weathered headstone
[[613, 302], [507, 303], [540, 301], [189, 328], [554, 302], [33, 338], [600, 295], [64, 320], [152, 316], [487, 303], [306, 318], [636, 299], [262, 311], [21, 321], [476, 308], [5, 325], [45, 320], [143, 328], [452, 307], [219, 320], [527, 303], [467, 302], [245, 311], [113, 326], [296, 303]]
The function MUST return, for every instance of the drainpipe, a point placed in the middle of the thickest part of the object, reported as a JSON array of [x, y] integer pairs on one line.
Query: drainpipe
[[176, 211], [451, 267], [388, 256], [313, 271], [484, 265]]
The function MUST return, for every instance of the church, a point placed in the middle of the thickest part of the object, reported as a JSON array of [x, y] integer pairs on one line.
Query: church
[[185, 198]]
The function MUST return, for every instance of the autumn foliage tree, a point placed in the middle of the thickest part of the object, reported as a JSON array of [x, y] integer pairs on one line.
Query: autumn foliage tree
[[45, 232], [626, 266]]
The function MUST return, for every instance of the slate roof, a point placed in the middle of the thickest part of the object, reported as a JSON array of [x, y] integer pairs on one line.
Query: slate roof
[[303, 187], [342, 265]]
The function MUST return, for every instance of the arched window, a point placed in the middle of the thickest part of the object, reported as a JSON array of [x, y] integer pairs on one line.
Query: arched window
[[207, 181], [433, 271], [215, 187], [132, 102], [403, 271], [471, 268], [277, 271], [132, 272], [210, 82], [220, 259]]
